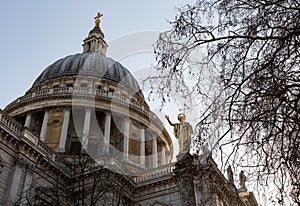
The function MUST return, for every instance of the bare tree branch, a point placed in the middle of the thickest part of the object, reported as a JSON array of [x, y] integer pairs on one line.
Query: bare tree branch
[[252, 55]]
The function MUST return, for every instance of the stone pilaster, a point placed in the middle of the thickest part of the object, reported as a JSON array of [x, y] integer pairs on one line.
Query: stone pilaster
[[15, 184], [27, 186]]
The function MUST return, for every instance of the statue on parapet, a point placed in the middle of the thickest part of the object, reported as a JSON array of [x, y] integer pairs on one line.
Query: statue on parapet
[[183, 132]]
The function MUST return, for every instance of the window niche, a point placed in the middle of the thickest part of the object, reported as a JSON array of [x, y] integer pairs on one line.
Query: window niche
[[54, 129]]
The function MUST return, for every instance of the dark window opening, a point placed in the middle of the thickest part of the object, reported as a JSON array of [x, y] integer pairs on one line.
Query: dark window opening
[[75, 147]]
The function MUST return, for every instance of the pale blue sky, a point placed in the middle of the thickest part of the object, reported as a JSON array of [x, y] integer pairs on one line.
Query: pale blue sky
[[35, 33]]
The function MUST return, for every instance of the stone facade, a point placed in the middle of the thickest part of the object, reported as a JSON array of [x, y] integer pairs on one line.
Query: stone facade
[[32, 171], [83, 134]]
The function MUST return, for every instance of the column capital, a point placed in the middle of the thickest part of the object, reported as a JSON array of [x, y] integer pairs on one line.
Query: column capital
[[107, 112], [48, 109], [19, 162], [67, 109], [23, 163], [88, 109]]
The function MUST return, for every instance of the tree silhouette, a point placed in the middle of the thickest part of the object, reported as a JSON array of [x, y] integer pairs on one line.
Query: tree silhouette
[[240, 60]]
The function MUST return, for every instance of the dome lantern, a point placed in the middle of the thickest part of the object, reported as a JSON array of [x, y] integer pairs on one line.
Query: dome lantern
[[95, 41]]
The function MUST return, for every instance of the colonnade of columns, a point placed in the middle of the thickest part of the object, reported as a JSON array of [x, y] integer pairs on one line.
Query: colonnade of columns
[[106, 142]]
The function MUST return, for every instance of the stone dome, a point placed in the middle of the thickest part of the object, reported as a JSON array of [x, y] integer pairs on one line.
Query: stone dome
[[91, 64], [90, 102]]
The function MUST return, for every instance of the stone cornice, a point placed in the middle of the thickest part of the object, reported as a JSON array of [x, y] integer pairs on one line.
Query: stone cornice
[[102, 99], [72, 95]]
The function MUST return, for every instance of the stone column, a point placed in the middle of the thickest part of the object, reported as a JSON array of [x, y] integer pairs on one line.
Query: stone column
[[163, 155], [15, 184], [64, 131], [154, 153], [44, 126], [126, 138], [142, 147], [107, 132], [28, 120], [86, 128]]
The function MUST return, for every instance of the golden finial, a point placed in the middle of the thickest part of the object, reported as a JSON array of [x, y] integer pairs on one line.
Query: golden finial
[[97, 21]]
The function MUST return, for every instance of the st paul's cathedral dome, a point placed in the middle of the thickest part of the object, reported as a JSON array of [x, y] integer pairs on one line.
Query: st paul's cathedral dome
[[87, 101]]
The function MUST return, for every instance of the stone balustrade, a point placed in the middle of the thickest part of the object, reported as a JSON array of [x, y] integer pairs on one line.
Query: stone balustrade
[[113, 95], [11, 124], [42, 93], [19, 132], [164, 170]]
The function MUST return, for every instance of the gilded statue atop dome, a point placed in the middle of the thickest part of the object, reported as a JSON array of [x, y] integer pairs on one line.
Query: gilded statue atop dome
[[97, 19], [183, 132]]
